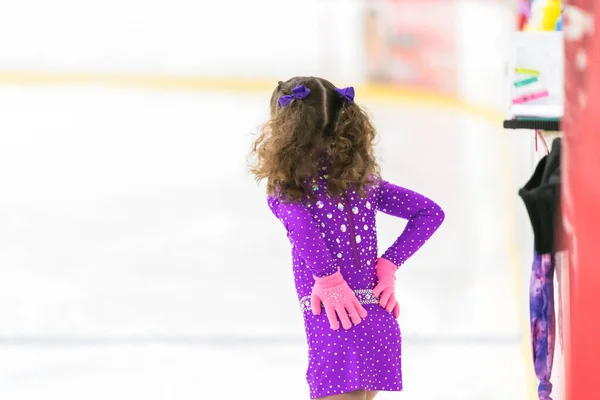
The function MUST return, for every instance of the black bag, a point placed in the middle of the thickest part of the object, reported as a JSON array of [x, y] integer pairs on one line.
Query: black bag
[[541, 195]]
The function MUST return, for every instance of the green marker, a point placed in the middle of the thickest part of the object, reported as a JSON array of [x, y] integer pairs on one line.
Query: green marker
[[525, 82]]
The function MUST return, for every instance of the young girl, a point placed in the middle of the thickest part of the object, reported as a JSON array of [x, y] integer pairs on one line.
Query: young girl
[[316, 153]]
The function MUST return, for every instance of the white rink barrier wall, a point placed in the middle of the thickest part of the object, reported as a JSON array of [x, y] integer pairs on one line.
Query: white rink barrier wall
[[210, 39]]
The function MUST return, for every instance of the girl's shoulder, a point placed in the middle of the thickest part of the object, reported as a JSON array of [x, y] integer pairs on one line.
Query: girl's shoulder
[[277, 200]]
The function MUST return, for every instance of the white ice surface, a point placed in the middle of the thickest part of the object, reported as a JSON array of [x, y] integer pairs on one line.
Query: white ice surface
[[138, 258]]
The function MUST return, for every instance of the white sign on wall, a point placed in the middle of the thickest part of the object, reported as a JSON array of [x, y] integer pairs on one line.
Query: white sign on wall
[[536, 72]]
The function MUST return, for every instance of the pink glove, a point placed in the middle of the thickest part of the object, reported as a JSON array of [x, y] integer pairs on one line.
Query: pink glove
[[386, 285], [337, 297]]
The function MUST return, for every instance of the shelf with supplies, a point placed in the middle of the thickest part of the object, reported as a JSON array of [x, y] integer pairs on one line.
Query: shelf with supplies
[[542, 124]]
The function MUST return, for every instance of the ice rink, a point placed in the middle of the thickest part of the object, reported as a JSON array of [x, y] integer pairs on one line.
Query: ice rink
[[138, 256]]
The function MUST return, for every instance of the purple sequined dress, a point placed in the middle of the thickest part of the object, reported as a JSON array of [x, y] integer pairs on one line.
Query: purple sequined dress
[[327, 233]]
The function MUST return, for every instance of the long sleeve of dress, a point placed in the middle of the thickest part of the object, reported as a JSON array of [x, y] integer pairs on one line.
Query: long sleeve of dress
[[424, 218], [305, 236]]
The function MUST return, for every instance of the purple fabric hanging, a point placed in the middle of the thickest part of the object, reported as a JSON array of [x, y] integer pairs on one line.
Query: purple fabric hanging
[[543, 325]]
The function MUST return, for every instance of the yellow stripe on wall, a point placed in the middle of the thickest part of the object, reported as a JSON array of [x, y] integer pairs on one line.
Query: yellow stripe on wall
[[380, 93], [387, 94]]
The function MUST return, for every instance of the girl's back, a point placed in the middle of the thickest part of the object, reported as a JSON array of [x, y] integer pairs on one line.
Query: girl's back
[[323, 184]]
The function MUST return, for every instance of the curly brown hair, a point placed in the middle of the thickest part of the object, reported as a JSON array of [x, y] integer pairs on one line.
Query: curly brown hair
[[322, 127]]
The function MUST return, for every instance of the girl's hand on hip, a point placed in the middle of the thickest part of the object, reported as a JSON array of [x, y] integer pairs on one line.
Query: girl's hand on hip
[[339, 301], [386, 286]]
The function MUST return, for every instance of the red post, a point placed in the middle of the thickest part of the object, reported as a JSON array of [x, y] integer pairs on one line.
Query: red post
[[581, 198]]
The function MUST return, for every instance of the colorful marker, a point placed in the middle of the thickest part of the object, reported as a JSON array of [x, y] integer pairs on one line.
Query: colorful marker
[[525, 82], [526, 71], [530, 97]]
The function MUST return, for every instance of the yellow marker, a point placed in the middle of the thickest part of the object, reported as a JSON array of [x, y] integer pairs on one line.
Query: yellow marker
[[544, 14], [526, 71], [550, 15]]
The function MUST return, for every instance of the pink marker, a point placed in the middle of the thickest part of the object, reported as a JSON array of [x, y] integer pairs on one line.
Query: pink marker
[[530, 96]]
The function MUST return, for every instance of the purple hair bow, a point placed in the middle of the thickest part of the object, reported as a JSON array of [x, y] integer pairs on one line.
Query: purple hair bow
[[347, 93], [298, 93]]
